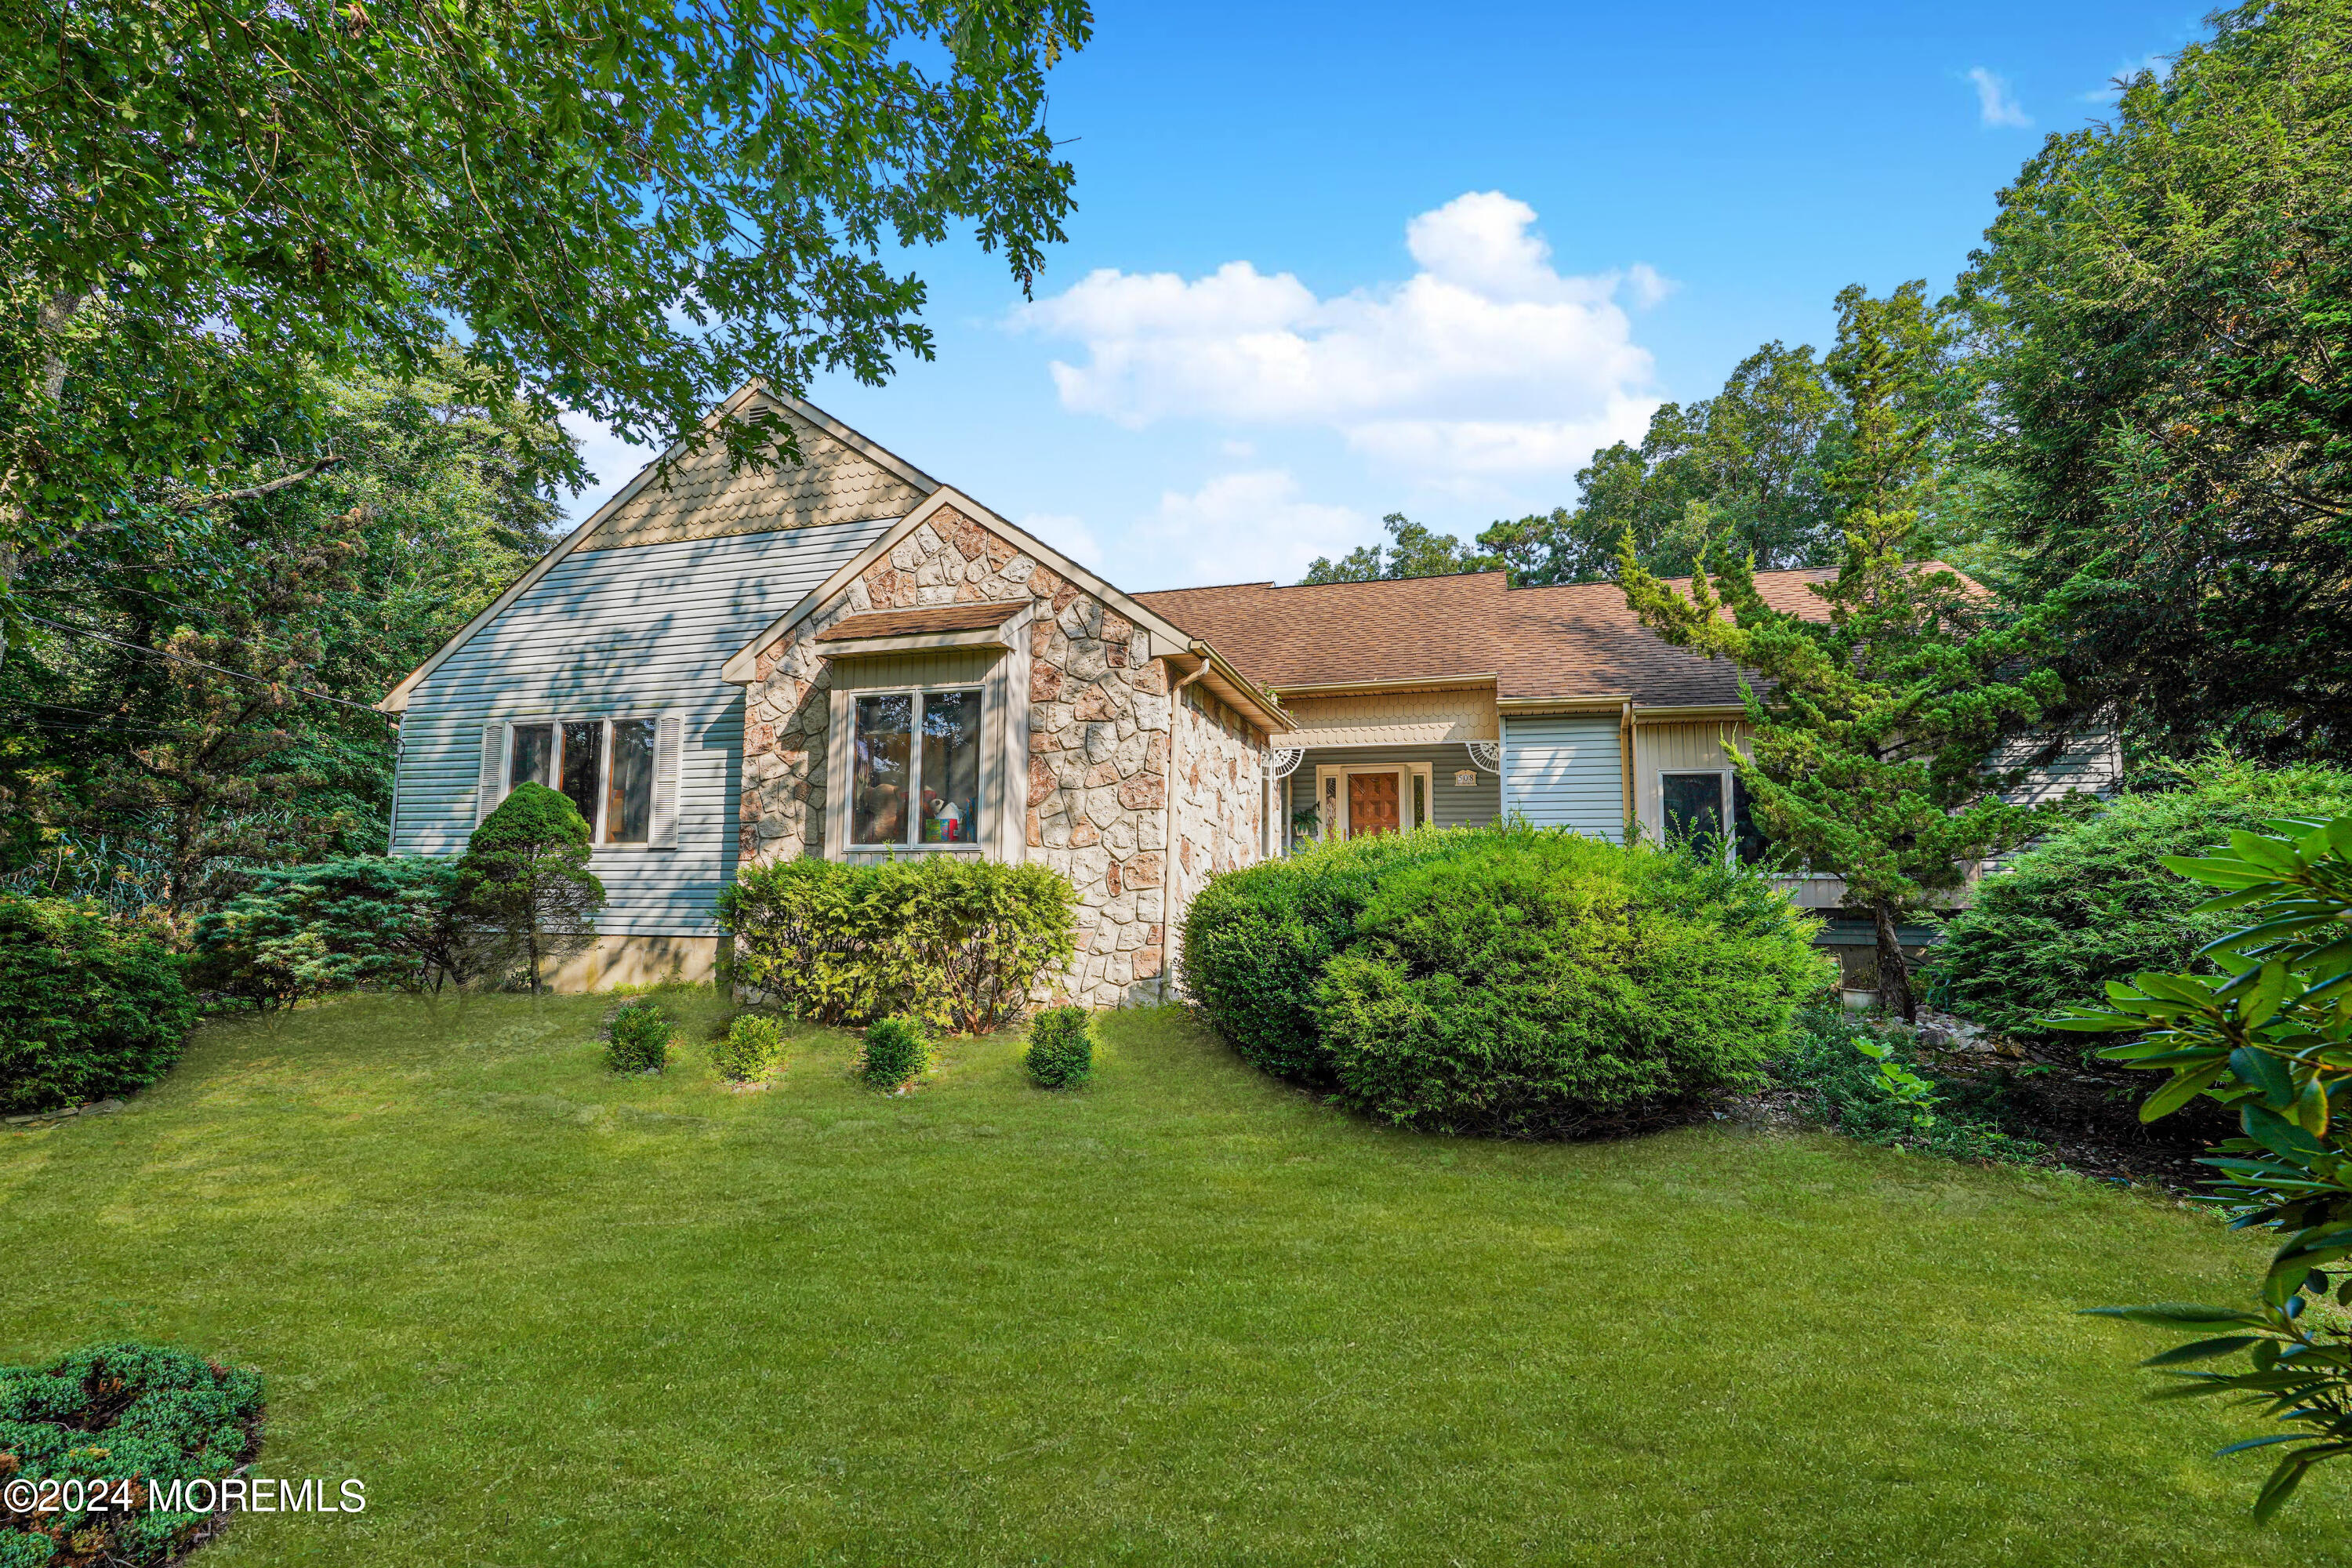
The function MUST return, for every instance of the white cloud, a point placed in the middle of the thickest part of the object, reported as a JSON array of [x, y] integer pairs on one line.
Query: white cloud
[[1239, 527], [1997, 107], [1488, 361], [1068, 534]]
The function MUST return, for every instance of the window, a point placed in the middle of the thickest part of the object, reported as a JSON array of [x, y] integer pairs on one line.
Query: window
[[1693, 804], [902, 792], [606, 766]]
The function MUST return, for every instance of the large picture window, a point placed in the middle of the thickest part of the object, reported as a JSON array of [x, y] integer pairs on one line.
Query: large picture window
[[604, 765], [914, 769]]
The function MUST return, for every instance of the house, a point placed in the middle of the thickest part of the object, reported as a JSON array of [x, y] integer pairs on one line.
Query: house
[[849, 659]]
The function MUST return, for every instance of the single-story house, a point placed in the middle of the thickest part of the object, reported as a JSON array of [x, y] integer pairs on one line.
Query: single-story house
[[847, 658]]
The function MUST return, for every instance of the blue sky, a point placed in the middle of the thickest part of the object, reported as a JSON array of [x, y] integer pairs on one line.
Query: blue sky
[[1333, 262]]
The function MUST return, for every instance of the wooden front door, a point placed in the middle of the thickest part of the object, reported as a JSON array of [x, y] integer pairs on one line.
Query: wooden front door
[[1371, 804]]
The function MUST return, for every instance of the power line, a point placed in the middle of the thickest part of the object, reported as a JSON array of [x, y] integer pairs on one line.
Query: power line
[[200, 664]]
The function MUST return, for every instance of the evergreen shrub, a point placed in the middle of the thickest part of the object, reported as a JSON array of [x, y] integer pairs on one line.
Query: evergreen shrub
[[1061, 1046], [896, 1051], [89, 1007], [304, 931], [1509, 981], [159, 1417], [524, 883], [750, 1049], [638, 1037], [954, 940], [2093, 902]]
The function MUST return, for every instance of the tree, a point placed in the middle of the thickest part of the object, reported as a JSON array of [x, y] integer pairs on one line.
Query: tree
[[627, 209], [1746, 465], [2162, 311], [1872, 738], [431, 513], [1419, 552], [524, 878]]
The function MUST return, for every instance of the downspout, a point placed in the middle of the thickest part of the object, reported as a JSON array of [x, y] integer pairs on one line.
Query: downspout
[[1168, 902], [1625, 761]]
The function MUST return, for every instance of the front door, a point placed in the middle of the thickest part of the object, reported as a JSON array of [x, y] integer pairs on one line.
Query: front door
[[1371, 804]]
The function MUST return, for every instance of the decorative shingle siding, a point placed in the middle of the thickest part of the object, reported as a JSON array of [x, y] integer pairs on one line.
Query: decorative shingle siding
[[1566, 772], [835, 483], [618, 631]]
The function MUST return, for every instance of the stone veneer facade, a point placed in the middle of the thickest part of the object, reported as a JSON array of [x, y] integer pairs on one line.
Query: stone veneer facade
[[1101, 722]]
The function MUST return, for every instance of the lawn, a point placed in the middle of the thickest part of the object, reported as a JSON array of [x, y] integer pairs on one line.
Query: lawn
[[1185, 1315]]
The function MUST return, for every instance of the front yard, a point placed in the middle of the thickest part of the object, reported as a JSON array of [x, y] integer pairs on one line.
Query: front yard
[[549, 1315]]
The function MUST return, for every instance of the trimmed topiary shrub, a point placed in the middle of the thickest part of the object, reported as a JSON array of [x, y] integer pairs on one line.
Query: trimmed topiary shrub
[[954, 940], [89, 1007], [752, 1046], [1061, 1046], [638, 1037], [171, 1423], [524, 882], [1256, 942], [896, 1051], [2093, 902], [1537, 983]]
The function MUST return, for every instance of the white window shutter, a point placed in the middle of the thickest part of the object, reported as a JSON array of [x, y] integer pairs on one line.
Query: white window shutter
[[669, 741], [491, 787]]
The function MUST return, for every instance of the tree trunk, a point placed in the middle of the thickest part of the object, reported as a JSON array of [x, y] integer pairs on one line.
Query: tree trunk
[[1894, 969]]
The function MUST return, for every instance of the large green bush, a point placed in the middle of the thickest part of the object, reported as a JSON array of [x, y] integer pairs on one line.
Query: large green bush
[[954, 940], [524, 882], [89, 1007], [158, 1417], [1528, 982], [1256, 942], [303, 931], [2094, 902]]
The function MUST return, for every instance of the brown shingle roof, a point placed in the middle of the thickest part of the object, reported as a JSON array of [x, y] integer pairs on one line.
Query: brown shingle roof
[[971, 618], [1576, 640]]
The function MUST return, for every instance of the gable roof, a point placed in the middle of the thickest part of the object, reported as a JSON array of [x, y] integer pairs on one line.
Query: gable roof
[[1572, 642], [835, 442]]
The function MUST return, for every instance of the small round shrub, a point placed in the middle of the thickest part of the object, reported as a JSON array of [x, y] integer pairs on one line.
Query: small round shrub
[[88, 1007], [1541, 984], [750, 1049], [160, 1418], [2093, 902], [896, 1051], [1061, 1047], [638, 1037]]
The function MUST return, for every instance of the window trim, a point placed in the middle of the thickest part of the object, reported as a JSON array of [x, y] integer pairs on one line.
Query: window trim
[[596, 844], [1328, 774]]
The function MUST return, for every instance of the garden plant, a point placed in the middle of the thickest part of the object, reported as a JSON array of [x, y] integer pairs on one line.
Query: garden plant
[[1061, 1053], [896, 1053], [637, 1039], [524, 882], [89, 1006], [749, 1049]]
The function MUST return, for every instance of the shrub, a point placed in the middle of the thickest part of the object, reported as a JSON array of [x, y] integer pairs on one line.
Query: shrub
[[754, 1044], [2093, 902], [524, 880], [955, 940], [896, 1051], [1533, 982], [1864, 1078], [1061, 1046], [638, 1037], [302, 931], [160, 1418], [1256, 942], [88, 1007]]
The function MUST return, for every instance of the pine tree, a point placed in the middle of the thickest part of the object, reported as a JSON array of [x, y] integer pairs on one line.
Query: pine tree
[[525, 880], [1875, 731]]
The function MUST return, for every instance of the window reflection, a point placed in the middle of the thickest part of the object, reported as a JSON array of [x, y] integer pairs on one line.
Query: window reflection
[[534, 750], [950, 780], [583, 757], [879, 784], [629, 798]]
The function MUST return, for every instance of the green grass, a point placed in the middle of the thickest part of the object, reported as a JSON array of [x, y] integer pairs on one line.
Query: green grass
[[1183, 1315]]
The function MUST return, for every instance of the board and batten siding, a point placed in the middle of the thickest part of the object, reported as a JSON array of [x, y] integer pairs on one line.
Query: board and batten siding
[[1566, 771], [635, 630]]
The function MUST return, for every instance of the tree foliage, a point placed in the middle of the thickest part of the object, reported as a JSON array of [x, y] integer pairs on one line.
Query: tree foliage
[[1873, 728], [2162, 312], [2270, 1034], [626, 209], [524, 880]]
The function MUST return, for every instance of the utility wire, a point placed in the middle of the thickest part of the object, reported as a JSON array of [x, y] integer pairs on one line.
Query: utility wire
[[200, 664]]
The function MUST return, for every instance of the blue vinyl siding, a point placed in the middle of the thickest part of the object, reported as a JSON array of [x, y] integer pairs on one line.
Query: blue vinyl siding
[[1565, 772], [638, 629]]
